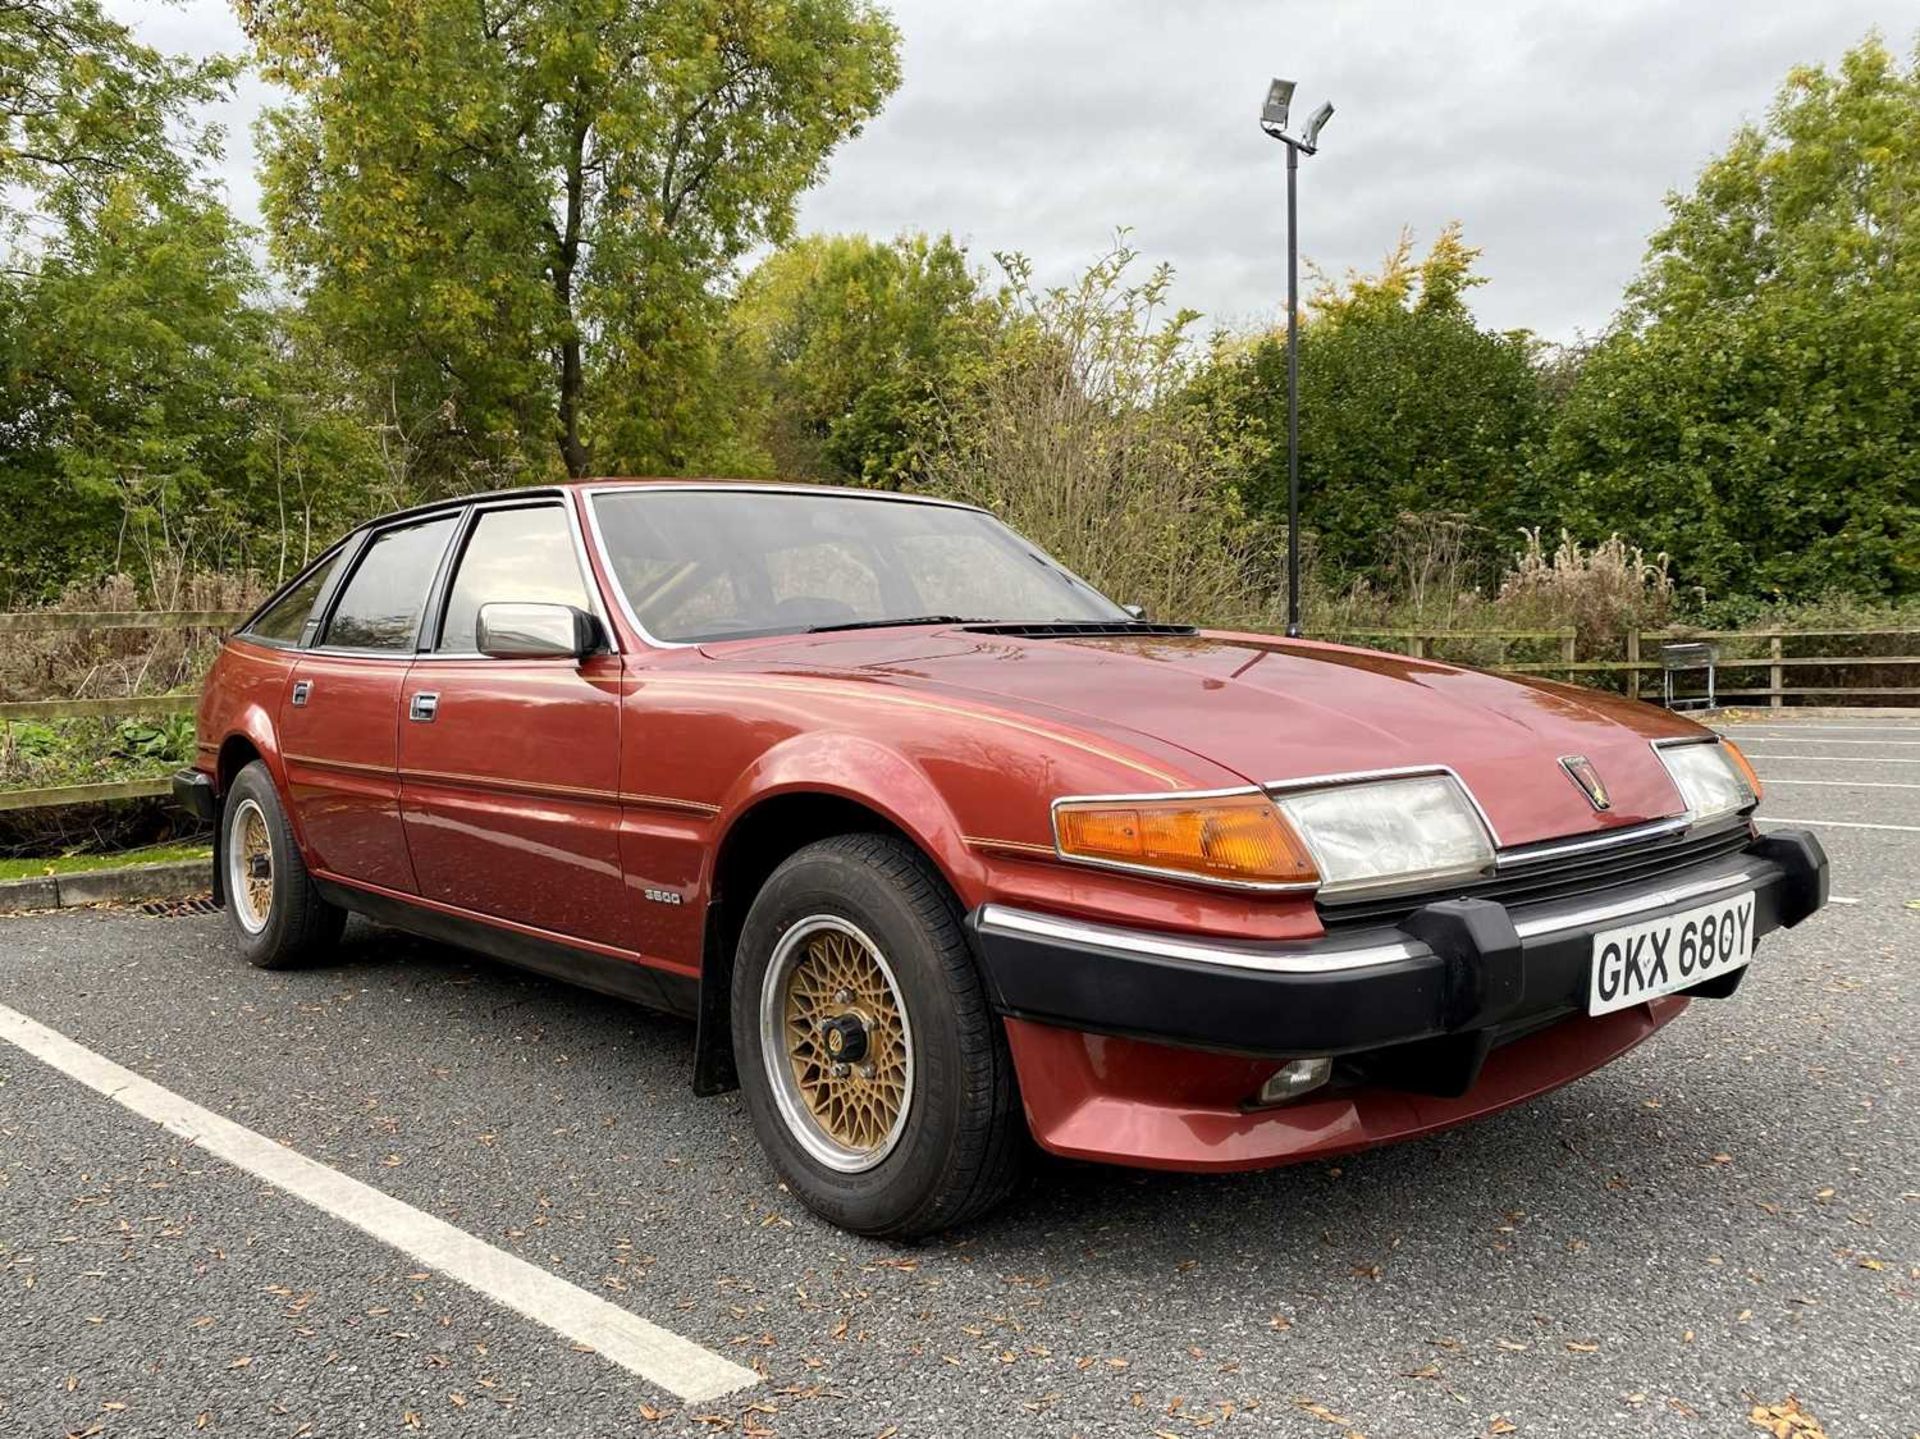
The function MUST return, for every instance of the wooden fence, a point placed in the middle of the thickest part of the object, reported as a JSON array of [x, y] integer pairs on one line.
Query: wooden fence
[[1442, 644], [130, 706], [1492, 648]]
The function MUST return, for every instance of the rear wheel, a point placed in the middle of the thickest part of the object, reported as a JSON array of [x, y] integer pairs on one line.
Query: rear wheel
[[278, 916], [877, 1077]]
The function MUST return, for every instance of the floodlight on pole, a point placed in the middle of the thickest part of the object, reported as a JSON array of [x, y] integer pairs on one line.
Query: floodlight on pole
[[1311, 140], [1273, 120], [1279, 97]]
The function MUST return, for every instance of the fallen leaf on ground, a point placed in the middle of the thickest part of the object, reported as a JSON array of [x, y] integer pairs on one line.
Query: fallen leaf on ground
[[1327, 1416], [1786, 1420]]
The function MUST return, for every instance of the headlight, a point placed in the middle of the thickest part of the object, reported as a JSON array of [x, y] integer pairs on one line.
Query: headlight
[[1390, 833], [1712, 777], [1233, 839]]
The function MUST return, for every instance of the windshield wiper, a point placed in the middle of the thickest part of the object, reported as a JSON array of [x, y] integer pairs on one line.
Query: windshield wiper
[[882, 624]]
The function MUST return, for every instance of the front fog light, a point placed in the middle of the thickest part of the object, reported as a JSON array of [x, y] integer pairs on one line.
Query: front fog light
[[1295, 1078]]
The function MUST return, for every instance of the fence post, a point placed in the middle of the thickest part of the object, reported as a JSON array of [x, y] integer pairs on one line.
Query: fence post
[[1568, 650], [1775, 677], [1633, 658], [1417, 646]]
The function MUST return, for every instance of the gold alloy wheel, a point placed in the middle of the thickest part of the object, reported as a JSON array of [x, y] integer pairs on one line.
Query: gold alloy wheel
[[837, 1043], [250, 866]]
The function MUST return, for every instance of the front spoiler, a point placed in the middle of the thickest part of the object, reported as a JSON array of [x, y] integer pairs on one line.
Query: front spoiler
[[1424, 1003]]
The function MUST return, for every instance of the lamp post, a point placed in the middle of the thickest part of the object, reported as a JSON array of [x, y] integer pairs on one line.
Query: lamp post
[[1273, 120]]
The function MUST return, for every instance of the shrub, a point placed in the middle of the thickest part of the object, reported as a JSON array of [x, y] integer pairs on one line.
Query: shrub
[[1078, 436]]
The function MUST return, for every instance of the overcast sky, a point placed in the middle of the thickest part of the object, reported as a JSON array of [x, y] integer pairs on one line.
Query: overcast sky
[[1551, 130]]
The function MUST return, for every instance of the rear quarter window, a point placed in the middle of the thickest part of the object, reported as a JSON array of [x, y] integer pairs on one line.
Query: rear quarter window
[[285, 620]]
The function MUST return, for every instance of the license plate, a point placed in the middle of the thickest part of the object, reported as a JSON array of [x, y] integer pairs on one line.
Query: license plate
[[1641, 961]]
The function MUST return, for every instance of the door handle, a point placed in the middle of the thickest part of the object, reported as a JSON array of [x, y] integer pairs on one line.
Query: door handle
[[423, 706], [301, 689]]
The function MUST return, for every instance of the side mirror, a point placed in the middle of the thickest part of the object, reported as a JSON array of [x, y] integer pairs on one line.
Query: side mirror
[[524, 631], [1139, 612]]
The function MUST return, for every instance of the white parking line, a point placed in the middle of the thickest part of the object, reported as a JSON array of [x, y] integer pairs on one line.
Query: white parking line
[[1843, 783], [1839, 823], [1836, 728], [1831, 758], [655, 1354], [1791, 739]]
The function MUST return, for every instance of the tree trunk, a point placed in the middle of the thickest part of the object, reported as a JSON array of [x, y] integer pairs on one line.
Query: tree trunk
[[573, 450]]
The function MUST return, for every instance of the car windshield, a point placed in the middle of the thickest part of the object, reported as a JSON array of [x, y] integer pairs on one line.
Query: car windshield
[[729, 564]]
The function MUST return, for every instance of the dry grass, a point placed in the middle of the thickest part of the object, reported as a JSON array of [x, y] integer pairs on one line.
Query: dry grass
[[87, 664], [100, 664], [1600, 592]]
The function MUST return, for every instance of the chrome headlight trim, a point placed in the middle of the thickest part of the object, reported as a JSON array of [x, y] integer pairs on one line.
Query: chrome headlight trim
[[1333, 887], [1676, 756]]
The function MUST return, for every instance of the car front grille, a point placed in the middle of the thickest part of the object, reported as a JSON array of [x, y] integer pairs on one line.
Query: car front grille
[[1568, 876]]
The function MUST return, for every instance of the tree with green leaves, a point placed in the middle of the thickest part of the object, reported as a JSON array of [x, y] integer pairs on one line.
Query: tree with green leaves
[[1755, 410], [515, 215], [99, 142], [157, 414], [1407, 407], [855, 345], [83, 104]]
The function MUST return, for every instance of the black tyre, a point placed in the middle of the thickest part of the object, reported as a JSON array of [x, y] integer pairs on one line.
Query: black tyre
[[278, 916], [878, 1078]]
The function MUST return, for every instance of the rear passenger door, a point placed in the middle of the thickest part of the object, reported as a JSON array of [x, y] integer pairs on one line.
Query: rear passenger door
[[510, 767], [340, 718]]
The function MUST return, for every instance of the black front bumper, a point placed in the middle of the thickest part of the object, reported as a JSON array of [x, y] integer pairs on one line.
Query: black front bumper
[[1451, 980]]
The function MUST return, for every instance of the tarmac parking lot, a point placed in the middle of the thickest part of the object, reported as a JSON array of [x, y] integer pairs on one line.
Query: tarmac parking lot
[[1726, 1220]]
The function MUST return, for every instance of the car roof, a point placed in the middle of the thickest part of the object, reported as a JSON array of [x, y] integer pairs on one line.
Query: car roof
[[635, 482]]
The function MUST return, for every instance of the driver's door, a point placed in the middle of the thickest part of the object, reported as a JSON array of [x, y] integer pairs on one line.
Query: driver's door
[[510, 767]]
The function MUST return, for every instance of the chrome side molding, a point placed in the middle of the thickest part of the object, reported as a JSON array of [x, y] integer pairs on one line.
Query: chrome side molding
[[1318, 956]]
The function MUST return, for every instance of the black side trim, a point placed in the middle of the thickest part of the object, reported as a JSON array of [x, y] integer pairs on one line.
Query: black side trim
[[604, 974], [714, 1071]]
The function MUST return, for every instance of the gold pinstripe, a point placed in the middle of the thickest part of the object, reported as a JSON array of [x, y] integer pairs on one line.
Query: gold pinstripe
[[655, 801], [1011, 846]]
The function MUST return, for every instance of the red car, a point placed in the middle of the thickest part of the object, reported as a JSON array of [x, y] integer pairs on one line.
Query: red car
[[940, 848]]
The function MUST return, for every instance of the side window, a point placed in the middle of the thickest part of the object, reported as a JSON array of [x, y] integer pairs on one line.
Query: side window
[[284, 620], [381, 605], [519, 554]]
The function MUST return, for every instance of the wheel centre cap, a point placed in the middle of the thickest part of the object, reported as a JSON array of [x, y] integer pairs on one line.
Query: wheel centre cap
[[845, 1036]]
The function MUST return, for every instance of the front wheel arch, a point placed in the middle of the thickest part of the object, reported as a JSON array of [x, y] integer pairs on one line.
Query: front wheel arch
[[754, 845], [901, 973]]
